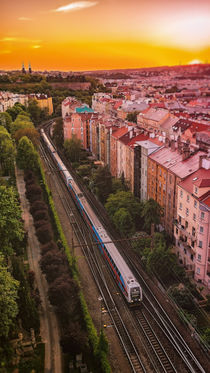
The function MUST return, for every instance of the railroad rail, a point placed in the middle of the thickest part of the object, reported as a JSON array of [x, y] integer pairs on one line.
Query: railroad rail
[[159, 357]]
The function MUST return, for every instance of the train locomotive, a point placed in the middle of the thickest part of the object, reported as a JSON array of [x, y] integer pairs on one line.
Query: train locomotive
[[122, 274]]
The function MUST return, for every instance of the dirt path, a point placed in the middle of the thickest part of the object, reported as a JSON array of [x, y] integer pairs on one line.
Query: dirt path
[[48, 323]]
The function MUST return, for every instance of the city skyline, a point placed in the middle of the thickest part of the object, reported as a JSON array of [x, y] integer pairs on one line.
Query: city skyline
[[104, 34]]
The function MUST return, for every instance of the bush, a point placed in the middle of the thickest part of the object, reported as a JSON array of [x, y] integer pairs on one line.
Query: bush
[[49, 246], [29, 175], [41, 215], [40, 223], [44, 233], [38, 205], [33, 190]]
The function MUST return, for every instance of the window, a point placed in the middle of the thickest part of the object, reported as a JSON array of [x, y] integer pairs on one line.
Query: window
[[160, 172], [188, 198], [181, 193], [180, 206], [202, 215], [194, 217], [199, 257], [201, 229], [170, 179], [186, 224], [198, 270], [196, 190], [195, 204], [200, 244], [187, 211], [176, 230]]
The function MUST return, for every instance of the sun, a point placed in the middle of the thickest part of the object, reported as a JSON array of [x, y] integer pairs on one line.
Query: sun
[[195, 62]]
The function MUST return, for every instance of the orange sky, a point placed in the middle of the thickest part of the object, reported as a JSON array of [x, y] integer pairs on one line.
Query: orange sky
[[100, 34]]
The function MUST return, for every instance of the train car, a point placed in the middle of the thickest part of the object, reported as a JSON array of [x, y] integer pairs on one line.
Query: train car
[[121, 272]]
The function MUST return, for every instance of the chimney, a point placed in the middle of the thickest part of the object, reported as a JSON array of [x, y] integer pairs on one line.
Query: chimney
[[131, 133], [173, 145]]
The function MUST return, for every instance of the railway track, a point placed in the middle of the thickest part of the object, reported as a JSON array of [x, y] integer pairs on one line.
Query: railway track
[[91, 255], [159, 358]]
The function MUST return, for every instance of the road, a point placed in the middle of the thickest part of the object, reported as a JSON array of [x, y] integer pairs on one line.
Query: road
[[49, 329]]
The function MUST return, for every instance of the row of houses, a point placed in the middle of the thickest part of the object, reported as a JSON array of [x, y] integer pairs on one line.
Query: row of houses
[[160, 157], [9, 99]]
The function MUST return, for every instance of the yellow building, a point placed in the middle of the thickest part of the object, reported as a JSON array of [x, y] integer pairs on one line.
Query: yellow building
[[43, 101]]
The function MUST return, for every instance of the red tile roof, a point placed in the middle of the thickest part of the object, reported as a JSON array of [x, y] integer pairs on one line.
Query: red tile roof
[[120, 132], [200, 178]]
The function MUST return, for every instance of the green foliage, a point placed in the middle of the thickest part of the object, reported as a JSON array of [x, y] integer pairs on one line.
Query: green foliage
[[92, 333], [102, 351], [26, 304], [15, 110], [22, 121], [206, 336], [34, 111], [11, 226], [161, 261], [125, 200], [6, 120], [182, 297], [102, 182], [117, 185], [151, 214], [27, 157], [8, 297], [31, 133], [140, 244], [132, 117], [84, 170], [58, 132], [7, 152], [72, 149], [123, 221]]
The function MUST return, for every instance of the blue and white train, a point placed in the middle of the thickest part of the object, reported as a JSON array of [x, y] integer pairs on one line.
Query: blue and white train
[[123, 276]]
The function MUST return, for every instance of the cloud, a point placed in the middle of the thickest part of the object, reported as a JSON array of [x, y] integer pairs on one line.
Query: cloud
[[36, 46], [7, 38], [77, 5], [24, 19], [19, 40]]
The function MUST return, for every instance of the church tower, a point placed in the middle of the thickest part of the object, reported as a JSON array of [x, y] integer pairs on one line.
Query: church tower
[[29, 68], [23, 69]]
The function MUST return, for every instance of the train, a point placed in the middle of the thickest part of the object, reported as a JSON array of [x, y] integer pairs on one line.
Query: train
[[122, 274]]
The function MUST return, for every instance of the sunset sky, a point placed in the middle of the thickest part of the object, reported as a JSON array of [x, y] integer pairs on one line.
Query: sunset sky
[[103, 34]]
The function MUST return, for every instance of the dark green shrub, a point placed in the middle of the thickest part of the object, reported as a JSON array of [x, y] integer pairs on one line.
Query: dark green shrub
[[38, 205], [40, 223], [44, 233], [48, 247], [41, 215]]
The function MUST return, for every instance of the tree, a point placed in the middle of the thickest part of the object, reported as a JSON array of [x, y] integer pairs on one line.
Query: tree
[[123, 221], [29, 132], [127, 201], [102, 180], [27, 157], [6, 120], [58, 132], [161, 261], [21, 122], [8, 297], [7, 152], [132, 117], [11, 226], [151, 214], [34, 111], [72, 149], [15, 110], [74, 338]]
